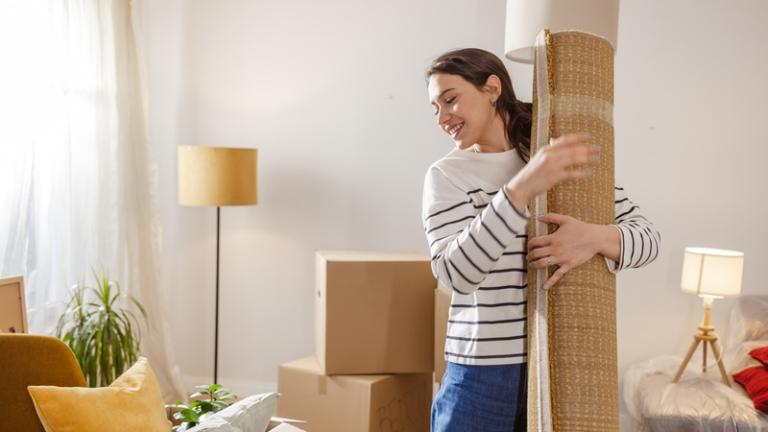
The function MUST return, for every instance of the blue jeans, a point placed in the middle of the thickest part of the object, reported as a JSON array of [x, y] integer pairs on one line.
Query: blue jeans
[[481, 399]]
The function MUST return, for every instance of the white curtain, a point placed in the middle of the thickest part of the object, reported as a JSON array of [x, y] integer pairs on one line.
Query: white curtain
[[77, 186]]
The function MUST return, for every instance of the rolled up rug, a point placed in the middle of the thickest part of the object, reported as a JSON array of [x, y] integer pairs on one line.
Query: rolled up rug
[[573, 378]]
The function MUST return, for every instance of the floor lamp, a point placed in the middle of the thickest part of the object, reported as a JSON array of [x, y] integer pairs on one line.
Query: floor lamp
[[217, 176], [710, 274]]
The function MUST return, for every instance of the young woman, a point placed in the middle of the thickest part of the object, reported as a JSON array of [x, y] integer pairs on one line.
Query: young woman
[[475, 216]]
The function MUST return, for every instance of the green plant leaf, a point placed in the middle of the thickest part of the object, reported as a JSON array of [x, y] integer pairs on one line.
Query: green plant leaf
[[101, 329], [190, 416], [219, 405], [227, 397], [205, 406]]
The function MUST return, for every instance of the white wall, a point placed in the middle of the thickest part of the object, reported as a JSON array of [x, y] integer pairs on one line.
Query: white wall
[[691, 106], [333, 96]]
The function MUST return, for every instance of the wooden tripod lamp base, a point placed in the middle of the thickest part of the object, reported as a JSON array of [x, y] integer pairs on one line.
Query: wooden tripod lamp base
[[705, 335], [710, 274]]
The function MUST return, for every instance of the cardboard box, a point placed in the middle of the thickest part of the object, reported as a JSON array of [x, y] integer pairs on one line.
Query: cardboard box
[[374, 313], [353, 403], [442, 306]]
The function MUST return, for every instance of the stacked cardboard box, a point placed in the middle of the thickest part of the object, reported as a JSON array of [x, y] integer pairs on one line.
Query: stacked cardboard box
[[374, 346], [442, 305]]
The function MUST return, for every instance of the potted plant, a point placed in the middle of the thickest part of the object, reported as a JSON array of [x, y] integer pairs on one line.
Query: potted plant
[[208, 399], [104, 335]]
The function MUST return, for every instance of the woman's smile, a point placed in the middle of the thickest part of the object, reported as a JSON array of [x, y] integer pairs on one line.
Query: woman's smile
[[454, 130]]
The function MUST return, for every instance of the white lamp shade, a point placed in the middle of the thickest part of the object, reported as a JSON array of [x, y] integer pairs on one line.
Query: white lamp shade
[[712, 272], [527, 18]]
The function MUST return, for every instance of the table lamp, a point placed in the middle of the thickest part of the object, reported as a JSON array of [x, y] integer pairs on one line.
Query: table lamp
[[710, 274], [217, 176]]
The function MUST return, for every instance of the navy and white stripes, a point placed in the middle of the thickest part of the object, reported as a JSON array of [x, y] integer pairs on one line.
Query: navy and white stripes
[[477, 241], [639, 239], [471, 241]]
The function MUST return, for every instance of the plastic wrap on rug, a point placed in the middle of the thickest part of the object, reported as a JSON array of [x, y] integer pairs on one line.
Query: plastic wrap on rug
[[573, 383]]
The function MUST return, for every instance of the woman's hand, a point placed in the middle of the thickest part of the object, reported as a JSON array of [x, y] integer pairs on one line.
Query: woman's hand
[[574, 243], [569, 157]]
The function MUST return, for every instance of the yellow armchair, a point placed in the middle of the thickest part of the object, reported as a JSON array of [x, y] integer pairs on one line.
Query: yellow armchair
[[31, 360]]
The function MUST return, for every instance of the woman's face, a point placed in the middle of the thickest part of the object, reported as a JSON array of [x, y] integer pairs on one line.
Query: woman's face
[[463, 112]]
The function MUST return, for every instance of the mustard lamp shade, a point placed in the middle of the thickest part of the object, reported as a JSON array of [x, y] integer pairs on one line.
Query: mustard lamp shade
[[217, 176], [712, 272], [526, 18]]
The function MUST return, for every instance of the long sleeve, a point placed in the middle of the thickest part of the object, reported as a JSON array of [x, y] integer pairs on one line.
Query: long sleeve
[[640, 240], [465, 239]]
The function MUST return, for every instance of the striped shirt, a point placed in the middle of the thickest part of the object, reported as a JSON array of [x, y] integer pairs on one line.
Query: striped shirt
[[477, 240]]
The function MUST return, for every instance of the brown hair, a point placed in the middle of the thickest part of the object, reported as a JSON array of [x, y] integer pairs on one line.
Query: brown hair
[[475, 66]]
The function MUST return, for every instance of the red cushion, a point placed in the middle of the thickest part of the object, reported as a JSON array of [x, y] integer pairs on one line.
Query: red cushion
[[761, 355], [755, 382]]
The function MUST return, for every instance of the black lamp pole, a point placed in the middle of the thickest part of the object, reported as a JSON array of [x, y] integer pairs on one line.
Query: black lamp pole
[[216, 336]]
